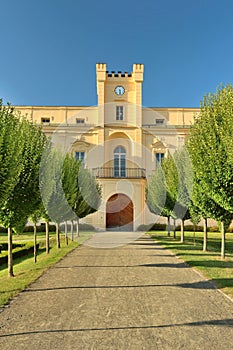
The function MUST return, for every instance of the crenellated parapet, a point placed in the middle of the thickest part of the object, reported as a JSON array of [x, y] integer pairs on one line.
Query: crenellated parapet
[[138, 70], [102, 73], [118, 74]]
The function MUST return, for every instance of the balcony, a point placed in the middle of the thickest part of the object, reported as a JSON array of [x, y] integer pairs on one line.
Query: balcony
[[113, 173]]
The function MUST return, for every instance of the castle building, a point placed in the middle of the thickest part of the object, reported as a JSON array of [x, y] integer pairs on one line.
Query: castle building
[[119, 140]]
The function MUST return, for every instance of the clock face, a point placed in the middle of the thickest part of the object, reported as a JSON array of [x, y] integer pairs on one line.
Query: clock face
[[119, 90]]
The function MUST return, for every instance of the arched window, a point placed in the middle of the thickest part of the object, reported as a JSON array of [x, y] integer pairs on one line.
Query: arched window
[[119, 162]]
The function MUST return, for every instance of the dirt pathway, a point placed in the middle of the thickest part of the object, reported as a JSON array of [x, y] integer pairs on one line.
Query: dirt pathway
[[136, 296]]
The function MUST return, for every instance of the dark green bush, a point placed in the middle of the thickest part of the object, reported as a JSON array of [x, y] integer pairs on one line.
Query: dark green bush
[[152, 227], [18, 252], [14, 245], [144, 227], [39, 228], [159, 227], [3, 229], [82, 227], [190, 228]]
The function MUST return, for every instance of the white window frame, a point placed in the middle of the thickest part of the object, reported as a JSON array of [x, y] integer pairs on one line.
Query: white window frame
[[120, 162], [159, 156], [119, 113], [78, 156]]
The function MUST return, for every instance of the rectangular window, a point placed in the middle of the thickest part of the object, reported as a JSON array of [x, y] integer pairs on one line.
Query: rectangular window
[[159, 121], [45, 120], [80, 156], [158, 158], [119, 113], [80, 120]]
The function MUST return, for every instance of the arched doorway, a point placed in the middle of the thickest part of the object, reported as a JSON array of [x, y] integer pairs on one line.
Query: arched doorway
[[119, 213]]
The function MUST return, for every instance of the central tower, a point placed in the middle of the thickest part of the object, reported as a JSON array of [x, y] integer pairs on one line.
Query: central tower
[[119, 96], [121, 172]]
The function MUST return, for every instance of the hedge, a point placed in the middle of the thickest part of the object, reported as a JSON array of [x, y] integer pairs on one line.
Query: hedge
[[18, 252]]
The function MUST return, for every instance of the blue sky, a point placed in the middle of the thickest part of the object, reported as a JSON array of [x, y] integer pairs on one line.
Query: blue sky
[[49, 48]]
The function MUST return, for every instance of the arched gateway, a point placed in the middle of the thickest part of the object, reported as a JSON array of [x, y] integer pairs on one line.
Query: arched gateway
[[119, 213]]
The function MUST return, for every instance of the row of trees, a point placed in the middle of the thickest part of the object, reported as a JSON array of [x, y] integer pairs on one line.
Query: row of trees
[[38, 181], [197, 182]]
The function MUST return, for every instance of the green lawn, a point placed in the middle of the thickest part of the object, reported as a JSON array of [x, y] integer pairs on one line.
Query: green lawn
[[208, 263], [25, 270]]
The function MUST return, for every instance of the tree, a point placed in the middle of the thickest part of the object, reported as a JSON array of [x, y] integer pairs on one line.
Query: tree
[[81, 190], [211, 150], [35, 216], [56, 207], [171, 183], [24, 197], [158, 201], [69, 192], [10, 151], [184, 187]]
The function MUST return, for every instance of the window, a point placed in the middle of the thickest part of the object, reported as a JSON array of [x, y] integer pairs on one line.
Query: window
[[119, 162], [119, 113], [159, 121], [80, 156], [158, 158], [80, 120], [45, 120]]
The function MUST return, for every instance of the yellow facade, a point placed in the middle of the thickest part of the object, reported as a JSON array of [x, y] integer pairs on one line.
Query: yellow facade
[[120, 140]]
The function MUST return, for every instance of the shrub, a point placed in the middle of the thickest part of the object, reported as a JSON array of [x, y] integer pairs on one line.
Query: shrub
[[18, 252], [39, 228], [144, 227], [152, 227], [14, 245], [159, 227]]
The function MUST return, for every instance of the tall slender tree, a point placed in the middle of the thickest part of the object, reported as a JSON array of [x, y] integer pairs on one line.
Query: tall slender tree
[[211, 150], [24, 197]]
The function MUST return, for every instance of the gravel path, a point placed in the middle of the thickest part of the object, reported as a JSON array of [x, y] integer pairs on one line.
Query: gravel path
[[135, 296]]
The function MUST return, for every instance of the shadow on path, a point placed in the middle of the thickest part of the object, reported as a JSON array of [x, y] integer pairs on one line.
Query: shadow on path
[[224, 322], [195, 285]]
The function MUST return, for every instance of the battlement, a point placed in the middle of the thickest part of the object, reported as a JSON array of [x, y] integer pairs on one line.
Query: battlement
[[101, 67], [138, 67], [102, 73], [138, 70], [118, 74]]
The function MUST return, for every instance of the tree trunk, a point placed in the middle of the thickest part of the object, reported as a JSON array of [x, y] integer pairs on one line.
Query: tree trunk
[[223, 240], [10, 257], [66, 234], [174, 228], [182, 231], [77, 227], [35, 252], [194, 234], [205, 238], [72, 230], [47, 237], [169, 226], [58, 236]]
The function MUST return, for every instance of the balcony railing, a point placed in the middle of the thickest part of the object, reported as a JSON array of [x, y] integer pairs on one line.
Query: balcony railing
[[126, 173]]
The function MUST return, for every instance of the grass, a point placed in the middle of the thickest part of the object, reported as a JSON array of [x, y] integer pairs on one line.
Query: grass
[[208, 263], [25, 270]]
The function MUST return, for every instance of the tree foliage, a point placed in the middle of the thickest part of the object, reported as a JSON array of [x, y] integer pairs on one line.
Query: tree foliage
[[211, 150]]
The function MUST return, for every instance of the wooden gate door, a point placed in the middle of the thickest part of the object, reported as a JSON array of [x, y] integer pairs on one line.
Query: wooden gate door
[[119, 212]]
